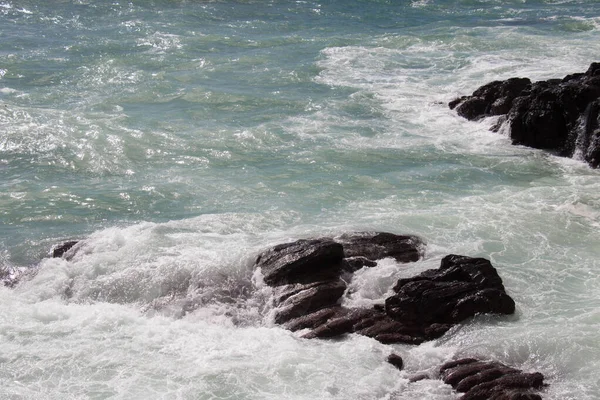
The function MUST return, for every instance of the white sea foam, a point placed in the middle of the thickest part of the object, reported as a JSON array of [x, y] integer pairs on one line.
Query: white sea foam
[[273, 126]]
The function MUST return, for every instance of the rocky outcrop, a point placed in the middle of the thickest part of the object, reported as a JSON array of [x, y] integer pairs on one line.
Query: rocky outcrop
[[560, 115], [306, 276], [491, 380]]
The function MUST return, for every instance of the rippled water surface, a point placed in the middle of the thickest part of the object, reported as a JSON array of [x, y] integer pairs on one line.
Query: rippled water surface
[[180, 138]]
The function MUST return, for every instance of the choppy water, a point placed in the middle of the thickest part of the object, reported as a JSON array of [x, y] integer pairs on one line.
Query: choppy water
[[179, 138]]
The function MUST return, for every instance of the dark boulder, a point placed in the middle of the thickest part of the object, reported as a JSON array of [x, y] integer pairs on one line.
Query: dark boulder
[[483, 380], [559, 115], [303, 261], [461, 288]]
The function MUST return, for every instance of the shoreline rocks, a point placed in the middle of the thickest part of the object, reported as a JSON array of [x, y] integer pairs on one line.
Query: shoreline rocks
[[559, 115], [308, 286]]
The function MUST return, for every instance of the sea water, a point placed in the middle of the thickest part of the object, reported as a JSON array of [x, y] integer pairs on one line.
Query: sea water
[[178, 139]]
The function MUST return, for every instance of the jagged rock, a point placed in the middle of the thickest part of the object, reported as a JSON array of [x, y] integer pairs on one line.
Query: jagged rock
[[560, 115], [495, 98], [483, 380]]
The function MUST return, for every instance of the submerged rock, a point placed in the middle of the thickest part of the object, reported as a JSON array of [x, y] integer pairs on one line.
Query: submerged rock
[[560, 115], [484, 380], [307, 289]]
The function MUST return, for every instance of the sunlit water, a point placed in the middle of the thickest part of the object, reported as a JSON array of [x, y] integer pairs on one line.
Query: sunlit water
[[178, 139]]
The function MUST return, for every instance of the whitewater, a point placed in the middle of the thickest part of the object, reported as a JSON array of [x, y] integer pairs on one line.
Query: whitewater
[[176, 140]]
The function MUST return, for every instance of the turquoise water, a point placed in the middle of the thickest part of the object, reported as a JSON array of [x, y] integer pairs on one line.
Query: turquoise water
[[179, 138]]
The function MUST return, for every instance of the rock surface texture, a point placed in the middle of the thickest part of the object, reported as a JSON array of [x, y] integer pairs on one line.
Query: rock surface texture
[[491, 380], [306, 277], [560, 115]]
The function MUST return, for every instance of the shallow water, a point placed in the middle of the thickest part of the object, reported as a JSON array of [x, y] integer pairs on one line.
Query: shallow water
[[181, 138]]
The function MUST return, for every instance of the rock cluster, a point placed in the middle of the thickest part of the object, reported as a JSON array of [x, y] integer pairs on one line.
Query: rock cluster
[[309, 279], [560, 115], [491, 380]]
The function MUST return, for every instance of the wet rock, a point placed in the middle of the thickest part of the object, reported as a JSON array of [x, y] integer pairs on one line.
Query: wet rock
[[483, 380], [341, 323], [316, 319], [396, 361], [353, 264], [560, 115], [303, 261], [312, 260], [379, 245], [307, 289], [60, 250], [494, 98], [462, 287], [301, 299]]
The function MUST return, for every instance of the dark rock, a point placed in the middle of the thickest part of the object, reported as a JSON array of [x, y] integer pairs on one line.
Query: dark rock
[[559, 115], [342, 323], [426, 306], [353, 264], [378, 245], [396, 361], [313, 260], [59, 251], [484, 380], [299, 300], [308, 288], [456, 363], [495, 98], [460, 288], [303, 261], [316, 319]]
